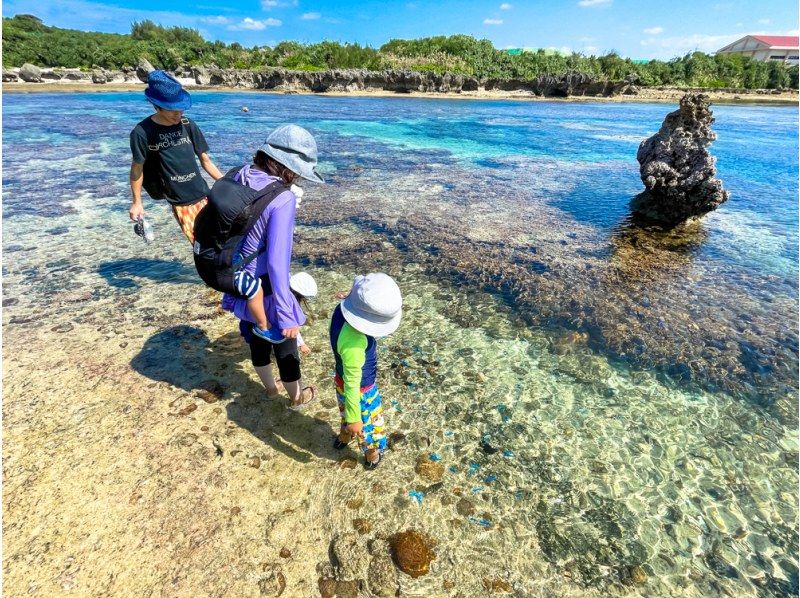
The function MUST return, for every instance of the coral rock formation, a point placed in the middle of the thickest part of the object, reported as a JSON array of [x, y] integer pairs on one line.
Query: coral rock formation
[[676, 168]]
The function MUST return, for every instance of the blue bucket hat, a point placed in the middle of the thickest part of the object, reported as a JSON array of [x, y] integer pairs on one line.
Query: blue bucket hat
[[166, 92], [296, 149]]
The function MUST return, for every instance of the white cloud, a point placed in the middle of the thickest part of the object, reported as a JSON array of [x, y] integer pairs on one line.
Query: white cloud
[[248, 24], [220, 20], [670, 47], [270, 4], [764, 21], [505, 6], [594, 2], [653, 30], [311, 16], [590, 50], [493, 21]]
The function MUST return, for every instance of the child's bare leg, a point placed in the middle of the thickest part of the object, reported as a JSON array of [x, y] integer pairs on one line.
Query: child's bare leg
[[272, 386], [255, 306]]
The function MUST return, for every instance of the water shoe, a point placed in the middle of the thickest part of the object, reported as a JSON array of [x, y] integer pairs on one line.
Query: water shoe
[[273, 335]]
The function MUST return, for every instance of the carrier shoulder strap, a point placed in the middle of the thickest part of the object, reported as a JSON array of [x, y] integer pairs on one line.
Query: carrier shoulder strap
[[260, 203]]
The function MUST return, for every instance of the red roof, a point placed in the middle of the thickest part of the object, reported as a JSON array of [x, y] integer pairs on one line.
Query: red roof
[[778, 40]]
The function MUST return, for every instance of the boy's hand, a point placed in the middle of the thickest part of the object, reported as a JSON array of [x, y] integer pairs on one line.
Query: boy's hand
[[291, 332], [342, 294], [136, 211], [304, 349], [356, 429]]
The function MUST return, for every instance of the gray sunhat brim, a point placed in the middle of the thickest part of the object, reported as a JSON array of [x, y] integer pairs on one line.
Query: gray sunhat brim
[[365, 323], [293, 162]]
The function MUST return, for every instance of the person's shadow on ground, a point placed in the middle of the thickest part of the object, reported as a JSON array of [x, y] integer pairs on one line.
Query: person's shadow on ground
[[122, 274], [184, 357]]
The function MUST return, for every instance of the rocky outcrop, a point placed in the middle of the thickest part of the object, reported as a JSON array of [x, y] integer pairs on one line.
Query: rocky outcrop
[[397, 81], [345, 80], [676, 168], [9, 76], [143, 68], [30, 73]]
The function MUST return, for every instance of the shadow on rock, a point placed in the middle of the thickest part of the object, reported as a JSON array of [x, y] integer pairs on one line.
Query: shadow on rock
[[183, 356], [122, 274]]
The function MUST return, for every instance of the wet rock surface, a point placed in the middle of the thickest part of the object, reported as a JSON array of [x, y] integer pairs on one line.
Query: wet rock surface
[[677, 170], [429, 469], [382, 574], [351, 557], [625, 301]]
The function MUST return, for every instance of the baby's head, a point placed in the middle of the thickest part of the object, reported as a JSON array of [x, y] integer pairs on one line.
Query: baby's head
[[374, 306], [303, 286]]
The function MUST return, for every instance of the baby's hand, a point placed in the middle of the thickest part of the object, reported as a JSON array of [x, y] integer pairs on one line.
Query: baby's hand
[[342, 294], [305, 349]]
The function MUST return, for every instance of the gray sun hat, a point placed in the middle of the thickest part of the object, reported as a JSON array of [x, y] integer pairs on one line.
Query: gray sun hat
[[295, 148], [374, 305]]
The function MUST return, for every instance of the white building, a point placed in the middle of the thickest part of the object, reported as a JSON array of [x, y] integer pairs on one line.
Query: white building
[[765, 48]]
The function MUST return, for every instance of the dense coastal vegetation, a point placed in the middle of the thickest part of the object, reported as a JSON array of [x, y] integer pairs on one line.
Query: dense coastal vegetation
[[27, 39]]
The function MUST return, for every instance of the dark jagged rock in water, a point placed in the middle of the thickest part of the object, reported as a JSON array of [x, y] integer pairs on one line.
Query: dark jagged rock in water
[[676, 168]]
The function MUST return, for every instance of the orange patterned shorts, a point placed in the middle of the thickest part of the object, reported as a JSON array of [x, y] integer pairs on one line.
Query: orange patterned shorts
[[185, 216]]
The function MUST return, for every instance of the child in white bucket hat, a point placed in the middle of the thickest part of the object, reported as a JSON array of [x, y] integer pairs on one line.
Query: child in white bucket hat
[[372, 309], [304, 288]]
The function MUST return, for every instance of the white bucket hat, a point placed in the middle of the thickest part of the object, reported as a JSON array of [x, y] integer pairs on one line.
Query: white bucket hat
[[295, 148], [374, 305], [303, 283]]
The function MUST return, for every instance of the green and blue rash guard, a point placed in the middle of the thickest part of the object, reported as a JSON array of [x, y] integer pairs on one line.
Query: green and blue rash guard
[[356, 362]]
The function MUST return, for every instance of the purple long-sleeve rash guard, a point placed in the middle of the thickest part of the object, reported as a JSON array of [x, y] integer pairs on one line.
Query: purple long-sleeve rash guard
[[272, 237]]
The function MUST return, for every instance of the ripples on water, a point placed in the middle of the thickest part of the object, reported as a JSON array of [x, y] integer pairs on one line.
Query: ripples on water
[[621, 401]]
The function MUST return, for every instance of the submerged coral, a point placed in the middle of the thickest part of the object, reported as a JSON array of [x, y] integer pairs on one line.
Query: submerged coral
[[413, 552]]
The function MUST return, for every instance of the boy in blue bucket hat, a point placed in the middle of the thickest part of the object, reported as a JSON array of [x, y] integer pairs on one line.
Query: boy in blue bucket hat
[[164, 146]]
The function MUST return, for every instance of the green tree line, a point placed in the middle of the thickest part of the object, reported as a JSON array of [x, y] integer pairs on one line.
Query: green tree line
[[27, 39]]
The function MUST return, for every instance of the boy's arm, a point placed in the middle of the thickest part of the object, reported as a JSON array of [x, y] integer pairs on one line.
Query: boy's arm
[[201, 149], [210, 167], [136, 210], [352, 346], [138, 141]]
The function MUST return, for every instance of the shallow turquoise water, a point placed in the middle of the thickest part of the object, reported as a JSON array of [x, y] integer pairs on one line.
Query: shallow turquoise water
[[640, 388]]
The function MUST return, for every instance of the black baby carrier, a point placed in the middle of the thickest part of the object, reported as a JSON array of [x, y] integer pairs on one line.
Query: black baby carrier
[[232, 210]]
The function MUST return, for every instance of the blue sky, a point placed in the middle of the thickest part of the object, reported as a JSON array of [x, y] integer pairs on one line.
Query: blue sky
[[634, 28]]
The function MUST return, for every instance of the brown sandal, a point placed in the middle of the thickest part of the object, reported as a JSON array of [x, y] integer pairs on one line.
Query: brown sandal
[[278, 390], [304, 404]]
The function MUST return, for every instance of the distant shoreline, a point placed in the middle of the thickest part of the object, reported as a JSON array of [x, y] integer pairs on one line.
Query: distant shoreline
[[645, 94]]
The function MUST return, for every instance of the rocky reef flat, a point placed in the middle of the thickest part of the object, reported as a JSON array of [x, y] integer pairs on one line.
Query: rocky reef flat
[[573, 86]]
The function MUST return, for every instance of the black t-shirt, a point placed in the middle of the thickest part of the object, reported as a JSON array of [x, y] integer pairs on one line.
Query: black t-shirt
[[177, 147]]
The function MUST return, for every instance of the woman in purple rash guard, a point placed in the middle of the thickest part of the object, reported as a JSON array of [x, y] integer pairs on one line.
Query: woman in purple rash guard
[[289, 154]]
